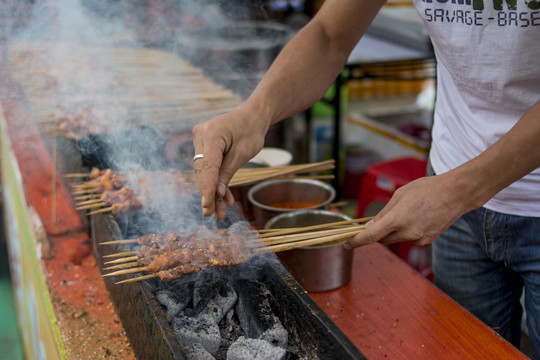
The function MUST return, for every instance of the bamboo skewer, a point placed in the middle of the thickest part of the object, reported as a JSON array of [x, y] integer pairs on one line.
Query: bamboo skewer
[[293, 238], [90, 202], [262, 174], [87, 185], [101, 211], [87, 197], [122, 266], [113, 242], [127, 271], [120, 254], [122, 260], [88, 194], [311, 242], [275, 232], [76, 175], [144, 277], [242, 176], [128, 263], [91, 206], [310, 177], [84, 192]]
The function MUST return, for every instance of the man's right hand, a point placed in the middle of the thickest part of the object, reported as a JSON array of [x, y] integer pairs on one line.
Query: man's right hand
[[226, 142]]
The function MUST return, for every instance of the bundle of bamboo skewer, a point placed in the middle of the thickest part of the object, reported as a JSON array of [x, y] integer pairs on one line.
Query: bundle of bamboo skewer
[[105, 191], [153, 86], [274, 240]]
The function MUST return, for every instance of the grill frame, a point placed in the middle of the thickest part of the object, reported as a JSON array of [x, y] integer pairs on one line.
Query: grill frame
[[152, 336]]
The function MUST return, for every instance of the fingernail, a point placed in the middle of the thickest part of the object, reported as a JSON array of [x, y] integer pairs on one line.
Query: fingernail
[[347, 246], [203, 201], [221, 190], [369, 223]]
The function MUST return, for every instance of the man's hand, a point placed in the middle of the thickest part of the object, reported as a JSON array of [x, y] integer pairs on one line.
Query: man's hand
[[226, 143], [417, 213]]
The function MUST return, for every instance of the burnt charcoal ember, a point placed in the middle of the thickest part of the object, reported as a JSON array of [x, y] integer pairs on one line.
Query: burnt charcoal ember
[[214, 298], [250, 349], [221, 303], [197, 352], [256, 315], [230, 332], [204, 288], [230, 327], [201, 330], [172, 301]]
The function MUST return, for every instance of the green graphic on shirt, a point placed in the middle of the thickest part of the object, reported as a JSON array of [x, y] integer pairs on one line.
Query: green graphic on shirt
[[498, 4], [478, 4], [533, 4], [511, 4]]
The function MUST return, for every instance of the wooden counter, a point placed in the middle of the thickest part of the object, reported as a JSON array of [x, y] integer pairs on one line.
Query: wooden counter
[[389, 310]]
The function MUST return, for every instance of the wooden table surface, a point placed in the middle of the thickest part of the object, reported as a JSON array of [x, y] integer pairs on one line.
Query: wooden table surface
[[389, 310]]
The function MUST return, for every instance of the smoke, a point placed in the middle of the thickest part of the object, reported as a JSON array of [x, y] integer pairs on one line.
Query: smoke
[[107, 64]]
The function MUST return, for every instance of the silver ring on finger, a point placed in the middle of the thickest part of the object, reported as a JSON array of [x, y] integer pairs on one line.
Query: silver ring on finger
[[197, 157]]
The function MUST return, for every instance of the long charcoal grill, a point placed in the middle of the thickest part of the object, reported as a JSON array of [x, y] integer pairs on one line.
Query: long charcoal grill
[[310, 334]]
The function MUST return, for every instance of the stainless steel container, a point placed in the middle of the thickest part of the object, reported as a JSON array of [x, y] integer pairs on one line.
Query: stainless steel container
[[265, 195], [316, 268]]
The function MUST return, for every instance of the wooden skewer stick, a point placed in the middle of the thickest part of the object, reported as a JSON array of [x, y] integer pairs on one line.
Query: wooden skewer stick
[[310, 177], [310, 242], [84, 192], [127, 271], [86, 197], [100, 211], [89, 202], [122, 260], [275, 232], [91, 206], [113, 242], [76, 175], [269, 173], [327, 164], [339, 204], [85, 184], [285, 239], [282, 171], [144, 277], [80, 187], [122, 266], [120, 254]]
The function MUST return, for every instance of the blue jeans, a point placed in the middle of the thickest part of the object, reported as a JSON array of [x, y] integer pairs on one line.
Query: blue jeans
[[484, 262]]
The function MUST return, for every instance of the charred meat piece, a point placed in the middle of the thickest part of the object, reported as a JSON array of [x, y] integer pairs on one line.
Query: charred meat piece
[[171, 255]]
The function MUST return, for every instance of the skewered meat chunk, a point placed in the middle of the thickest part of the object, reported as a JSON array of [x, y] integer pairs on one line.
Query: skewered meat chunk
[[169, 260], [145, 185], [175, 273], [87, 120], [172, 255], [121, 200]]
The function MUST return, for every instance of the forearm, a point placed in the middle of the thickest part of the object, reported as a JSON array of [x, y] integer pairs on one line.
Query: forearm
[[307, 66], [513, 156]]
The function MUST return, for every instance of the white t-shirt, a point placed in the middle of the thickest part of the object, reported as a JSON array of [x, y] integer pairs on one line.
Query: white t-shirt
[[488, 77]]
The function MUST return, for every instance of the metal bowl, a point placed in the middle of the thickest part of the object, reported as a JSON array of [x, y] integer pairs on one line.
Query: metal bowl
[[264, 197], [316, 268]]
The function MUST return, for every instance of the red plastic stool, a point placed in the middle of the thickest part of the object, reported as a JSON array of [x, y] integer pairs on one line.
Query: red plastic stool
[[379, 184]]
